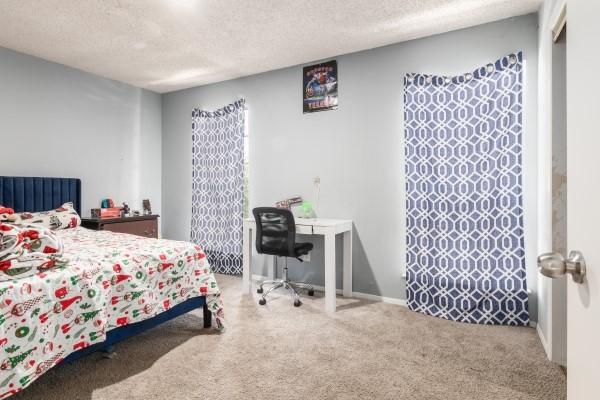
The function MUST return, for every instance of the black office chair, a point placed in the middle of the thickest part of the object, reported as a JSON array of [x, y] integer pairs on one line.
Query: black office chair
[[276, 235]]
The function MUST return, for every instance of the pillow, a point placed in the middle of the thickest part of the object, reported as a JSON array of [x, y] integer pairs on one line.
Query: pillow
[[7, 214], [64, 217], [27, 250]]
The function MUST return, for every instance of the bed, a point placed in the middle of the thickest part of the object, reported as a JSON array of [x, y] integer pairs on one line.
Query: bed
[[114, 286]]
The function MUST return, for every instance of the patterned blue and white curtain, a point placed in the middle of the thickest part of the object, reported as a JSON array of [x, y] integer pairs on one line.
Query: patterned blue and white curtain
[[465, 248], [217, 185]]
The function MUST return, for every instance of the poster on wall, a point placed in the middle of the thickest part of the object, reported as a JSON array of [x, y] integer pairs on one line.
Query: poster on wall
[[320, 87]]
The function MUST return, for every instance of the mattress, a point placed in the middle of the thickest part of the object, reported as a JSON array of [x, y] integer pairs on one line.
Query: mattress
[[110, 280]]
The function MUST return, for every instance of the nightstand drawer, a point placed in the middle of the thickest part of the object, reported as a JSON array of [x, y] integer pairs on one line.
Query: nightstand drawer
[[140, 228], [141, 225]]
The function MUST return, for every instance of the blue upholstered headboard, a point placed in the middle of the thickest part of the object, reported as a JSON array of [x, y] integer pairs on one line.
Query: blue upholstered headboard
[[39, 194]]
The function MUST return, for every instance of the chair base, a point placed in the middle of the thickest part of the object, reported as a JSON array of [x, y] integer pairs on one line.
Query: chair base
[[287, 284]]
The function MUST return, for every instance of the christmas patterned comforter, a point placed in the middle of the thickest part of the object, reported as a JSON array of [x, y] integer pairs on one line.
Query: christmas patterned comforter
[[110, 280]]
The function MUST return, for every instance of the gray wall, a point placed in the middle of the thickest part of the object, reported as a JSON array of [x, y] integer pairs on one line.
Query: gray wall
[[357, 150], [59, 121]]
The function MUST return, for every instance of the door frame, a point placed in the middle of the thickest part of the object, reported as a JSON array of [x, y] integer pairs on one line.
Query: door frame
[[552, 17]]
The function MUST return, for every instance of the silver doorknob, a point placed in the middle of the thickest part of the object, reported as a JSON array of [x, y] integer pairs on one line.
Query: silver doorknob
[[554, 265]]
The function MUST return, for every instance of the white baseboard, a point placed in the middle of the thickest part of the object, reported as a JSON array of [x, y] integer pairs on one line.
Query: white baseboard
[[358, 295], [383, 299], [545, 343]]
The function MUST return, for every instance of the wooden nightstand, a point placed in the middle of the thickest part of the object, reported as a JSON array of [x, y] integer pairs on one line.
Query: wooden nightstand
[[144, 225]]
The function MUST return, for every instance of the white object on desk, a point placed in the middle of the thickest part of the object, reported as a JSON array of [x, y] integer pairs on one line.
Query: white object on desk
[[328, 228]]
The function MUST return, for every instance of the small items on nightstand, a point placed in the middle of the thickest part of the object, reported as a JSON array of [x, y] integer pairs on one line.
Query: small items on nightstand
[[147, 207], [107, 203], [125, 211], [114, 212], [107, 210]]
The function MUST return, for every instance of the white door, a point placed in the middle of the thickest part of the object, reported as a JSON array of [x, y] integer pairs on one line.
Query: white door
[[583, 202], [583, 196]]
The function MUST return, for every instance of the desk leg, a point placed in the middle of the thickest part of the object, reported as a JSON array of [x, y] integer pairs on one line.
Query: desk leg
[[347, 290], [247, 261], [272, 267], [330, 271]]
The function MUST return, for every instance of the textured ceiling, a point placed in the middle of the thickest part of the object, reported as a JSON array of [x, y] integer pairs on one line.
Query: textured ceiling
[[165, 45]]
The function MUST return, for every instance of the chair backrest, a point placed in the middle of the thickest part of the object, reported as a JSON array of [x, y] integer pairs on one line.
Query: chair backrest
[[275, 231]]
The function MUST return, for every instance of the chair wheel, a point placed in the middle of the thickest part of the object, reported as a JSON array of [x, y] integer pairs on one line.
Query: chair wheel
[[259, 290], [311, 292], [262, 302], [297, 303]]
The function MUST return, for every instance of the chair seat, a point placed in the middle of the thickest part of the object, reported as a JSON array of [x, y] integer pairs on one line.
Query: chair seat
[[302, 248]]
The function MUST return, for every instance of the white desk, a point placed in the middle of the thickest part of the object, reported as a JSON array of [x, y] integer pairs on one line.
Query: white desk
[[311, 226]]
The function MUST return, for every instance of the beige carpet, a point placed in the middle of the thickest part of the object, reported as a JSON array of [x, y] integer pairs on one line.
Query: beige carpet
[[366, 350]]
